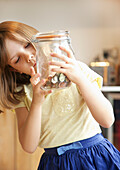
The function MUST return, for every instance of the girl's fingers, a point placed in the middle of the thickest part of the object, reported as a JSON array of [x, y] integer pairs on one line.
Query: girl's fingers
[[59, 70], [35, 79], [37, 83], [69, 54], [32, 70], [66, 59], [41, 83], [35, 76], [59, 64], [48, 92], [62, 57]]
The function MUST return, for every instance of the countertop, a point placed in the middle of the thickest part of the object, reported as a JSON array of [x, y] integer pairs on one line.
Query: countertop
[[110, 89]]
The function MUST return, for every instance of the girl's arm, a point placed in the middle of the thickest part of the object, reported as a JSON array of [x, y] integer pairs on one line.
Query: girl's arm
[[29, 123], [29, 127], [101, 109]]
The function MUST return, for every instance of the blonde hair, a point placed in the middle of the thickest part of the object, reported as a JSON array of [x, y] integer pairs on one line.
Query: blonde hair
[[9, 80]]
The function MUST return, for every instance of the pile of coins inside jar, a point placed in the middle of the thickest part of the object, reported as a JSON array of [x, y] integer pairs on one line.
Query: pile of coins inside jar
[[59, 80]]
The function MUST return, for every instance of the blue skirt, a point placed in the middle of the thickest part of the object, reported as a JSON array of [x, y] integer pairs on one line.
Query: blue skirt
[[95, 153]]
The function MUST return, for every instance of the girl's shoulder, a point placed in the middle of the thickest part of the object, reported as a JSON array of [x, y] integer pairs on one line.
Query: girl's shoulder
[[25, 101], [84, 66], [90, 74]]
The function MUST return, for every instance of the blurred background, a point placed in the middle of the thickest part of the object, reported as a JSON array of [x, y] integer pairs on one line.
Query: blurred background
[[94, 27]]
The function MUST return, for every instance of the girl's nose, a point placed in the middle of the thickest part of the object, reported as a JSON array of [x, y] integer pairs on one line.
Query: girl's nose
[[29, 58]]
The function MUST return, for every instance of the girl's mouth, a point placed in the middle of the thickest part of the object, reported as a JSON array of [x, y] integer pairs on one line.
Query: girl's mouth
[[34, 65]]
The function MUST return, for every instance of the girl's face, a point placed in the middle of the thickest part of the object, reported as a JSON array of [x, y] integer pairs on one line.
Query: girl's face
[[22, 55]]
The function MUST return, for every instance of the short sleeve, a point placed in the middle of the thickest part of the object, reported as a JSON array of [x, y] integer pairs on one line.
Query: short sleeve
[[26, 100], [21, 104], [91, 75]]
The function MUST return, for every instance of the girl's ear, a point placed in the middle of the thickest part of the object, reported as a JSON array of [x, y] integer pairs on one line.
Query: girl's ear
[[13, 69], [1, 111]]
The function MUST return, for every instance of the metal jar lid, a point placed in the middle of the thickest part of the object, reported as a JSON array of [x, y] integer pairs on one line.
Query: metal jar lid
[[51, 36]]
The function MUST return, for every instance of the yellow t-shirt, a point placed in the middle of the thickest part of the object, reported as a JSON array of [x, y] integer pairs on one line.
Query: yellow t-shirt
[[65, 115]]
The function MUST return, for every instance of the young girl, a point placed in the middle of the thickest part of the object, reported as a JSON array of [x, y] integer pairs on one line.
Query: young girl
[[64, 122]]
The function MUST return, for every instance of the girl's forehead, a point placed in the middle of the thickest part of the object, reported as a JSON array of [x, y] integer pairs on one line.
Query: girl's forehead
[[16, 37], [19, 38]]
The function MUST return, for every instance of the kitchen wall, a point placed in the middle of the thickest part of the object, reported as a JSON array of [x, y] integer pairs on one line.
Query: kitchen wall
[[93, 24]]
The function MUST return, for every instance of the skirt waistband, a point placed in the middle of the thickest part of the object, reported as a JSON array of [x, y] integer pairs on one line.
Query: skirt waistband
[[75, 145]]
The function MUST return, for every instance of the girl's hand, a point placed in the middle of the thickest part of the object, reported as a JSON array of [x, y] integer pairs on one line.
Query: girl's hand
[[38, 93], [69, 67]]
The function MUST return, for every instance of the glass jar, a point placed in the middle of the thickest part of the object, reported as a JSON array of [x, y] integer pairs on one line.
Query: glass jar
[[45, 44]]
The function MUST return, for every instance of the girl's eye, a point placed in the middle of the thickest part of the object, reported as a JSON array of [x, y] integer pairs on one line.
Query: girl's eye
[[17, 60], [28, 44]]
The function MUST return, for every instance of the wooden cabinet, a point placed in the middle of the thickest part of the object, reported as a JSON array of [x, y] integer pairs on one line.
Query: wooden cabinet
[[12, 156], [7, 141]]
